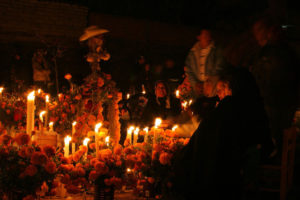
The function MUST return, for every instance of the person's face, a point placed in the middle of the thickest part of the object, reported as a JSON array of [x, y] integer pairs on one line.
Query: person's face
[[160, 90], [223, 90], [204, 38], [260, 34]]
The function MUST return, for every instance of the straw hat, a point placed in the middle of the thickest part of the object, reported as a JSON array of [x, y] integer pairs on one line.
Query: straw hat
[[92, 31]]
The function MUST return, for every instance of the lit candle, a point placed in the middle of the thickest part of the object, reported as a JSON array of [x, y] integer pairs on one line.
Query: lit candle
[[156, 129], [143, 89], [136, 135], [39, 91], [67, 143], [107, 141], [184, 104], [190, 102], [1, 90], [47, 109], [85, 143], [30, 113], [97, 127], [174, 127], [129, 134], [128, 96], [51, 126], [42, 113], [177, 93], [146, 135], [73, 135]]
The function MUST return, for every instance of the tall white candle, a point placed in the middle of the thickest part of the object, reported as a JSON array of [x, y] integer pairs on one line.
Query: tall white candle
[[47, 109], [42, 113], [73, 135], [97, 127], [135, 135], [67, 144], [51, 126], [1, 90], [129, 134], [85, 143], [177, 93], [30, 113], [156, 129], [146, 134], [107, 141]]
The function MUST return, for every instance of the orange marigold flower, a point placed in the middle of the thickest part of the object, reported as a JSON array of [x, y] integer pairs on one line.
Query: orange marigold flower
[[65, 179], [105, 154], [151, 180], [30, 170], [22, 138], [68, 76], [49, 150], [118, 149], [38, 158], [5, 139], [29, 151], [50, 167], [107, 182], [93, 175], [165, 158], [22, 152]]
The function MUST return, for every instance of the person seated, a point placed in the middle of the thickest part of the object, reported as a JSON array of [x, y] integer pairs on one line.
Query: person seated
[[211, 163], [162, 105]]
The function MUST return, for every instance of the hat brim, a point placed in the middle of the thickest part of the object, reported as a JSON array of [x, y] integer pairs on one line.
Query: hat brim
[[92, 33]]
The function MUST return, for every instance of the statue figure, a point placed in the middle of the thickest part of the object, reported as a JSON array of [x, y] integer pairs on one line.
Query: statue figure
[[94, 37]]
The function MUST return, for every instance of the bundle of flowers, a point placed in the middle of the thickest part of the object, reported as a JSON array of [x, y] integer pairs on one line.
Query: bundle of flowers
[[25, 167], [81, 172], [185, 90], [152, 164]]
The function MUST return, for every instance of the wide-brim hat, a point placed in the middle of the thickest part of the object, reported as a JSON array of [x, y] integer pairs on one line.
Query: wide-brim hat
[[91, 32]]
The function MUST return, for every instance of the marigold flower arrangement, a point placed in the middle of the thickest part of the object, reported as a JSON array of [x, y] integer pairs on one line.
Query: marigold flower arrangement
[[24, 167]]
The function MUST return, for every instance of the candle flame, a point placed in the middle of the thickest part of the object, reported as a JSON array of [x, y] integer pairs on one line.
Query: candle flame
[[184, 104], [74, 123], [128, 170], [47, 98], [177, 93], [136, 131], [51, 124], [157, 122], [128, 96], [86, 141], [1, 89], [97, 127], [67, 140], [30, 96], [174, 127], [39, 91], [146, 129], [144, 91], [190, 102], [107, 139], [130, 129], [42, 114]]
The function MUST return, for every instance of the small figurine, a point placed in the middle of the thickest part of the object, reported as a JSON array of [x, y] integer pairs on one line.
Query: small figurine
[[94, 37]]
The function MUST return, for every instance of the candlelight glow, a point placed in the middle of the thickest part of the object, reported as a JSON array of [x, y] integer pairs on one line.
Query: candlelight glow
[[1, 89], [146, 129], [190, 102], [184, 104], [39, 91], [128, 96], [47, 98], [157, 122], [136, 131], [177, 93], [144, 91], [130, 129], [51, 124], [128, 170], [41, 115], [107, 139], [31, 96], [86, 141], [174, 127], [74, 123], [67, 140], [97, 127]]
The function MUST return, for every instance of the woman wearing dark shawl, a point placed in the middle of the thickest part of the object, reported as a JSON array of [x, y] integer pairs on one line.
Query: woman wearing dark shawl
[[211, 164]]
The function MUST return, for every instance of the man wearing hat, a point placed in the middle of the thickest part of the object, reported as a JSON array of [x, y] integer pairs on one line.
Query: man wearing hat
[[94, 37]]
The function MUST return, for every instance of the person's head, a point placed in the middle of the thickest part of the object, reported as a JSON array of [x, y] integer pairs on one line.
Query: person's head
[[160, 89], [223, 89], [204, 38]]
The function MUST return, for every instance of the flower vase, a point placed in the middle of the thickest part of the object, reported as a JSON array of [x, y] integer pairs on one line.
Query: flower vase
[[103, 192]]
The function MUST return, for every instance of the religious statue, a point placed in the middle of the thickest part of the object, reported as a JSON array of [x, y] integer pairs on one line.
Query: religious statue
[[94, 37]]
